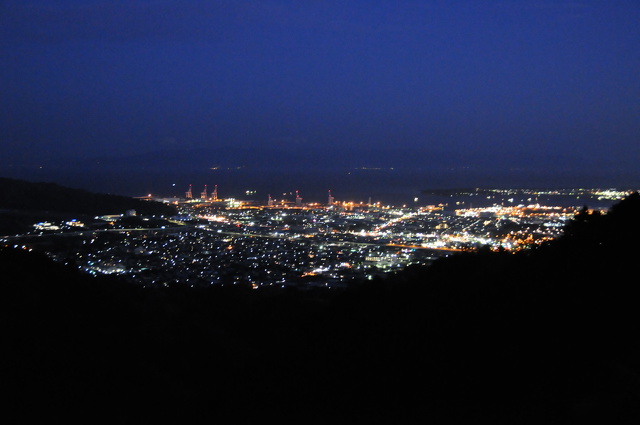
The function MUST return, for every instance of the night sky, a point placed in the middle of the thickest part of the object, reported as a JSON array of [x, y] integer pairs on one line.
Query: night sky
[[548, 87]]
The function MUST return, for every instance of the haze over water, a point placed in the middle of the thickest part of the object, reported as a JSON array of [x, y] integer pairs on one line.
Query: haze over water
[[395, 186]]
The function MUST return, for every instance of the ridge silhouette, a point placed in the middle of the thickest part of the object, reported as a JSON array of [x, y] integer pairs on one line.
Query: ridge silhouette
[[547, 335]]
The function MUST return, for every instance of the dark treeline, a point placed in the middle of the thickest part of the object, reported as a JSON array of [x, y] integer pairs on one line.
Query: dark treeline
[[548, 336]]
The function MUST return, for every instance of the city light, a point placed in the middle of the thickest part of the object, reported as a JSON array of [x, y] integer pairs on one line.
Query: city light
[[214, 242]]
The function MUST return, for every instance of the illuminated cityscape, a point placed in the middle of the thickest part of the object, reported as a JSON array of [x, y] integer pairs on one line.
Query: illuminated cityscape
[[286, 242]]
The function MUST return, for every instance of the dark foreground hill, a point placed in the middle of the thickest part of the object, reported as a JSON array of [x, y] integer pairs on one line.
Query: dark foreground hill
[[547, 336], [23, 203]]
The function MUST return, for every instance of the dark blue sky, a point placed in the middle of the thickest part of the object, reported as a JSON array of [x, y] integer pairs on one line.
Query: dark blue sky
[[545, 85]]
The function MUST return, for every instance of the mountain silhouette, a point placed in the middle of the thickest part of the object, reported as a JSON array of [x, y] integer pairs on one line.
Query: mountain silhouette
[[547, 335]]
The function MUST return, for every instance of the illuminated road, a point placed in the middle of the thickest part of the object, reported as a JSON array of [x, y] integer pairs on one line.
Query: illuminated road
[[425, 247]]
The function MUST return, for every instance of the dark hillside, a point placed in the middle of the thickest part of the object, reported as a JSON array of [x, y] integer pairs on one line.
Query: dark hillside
[[24, 203], [546, 336], [28, 196]]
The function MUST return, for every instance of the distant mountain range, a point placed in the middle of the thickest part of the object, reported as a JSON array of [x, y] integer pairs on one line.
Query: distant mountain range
[[307, 157], [268, 158], [353, 173]]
